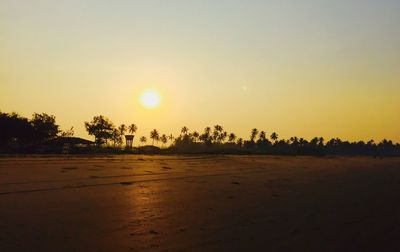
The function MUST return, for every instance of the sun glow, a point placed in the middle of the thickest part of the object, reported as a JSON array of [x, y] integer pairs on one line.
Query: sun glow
[[150, 99]]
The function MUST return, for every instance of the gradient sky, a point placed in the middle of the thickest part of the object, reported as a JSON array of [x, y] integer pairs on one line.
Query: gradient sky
[[299, 67]]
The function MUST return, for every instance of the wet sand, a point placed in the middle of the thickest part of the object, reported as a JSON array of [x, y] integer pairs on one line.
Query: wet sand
[[199, 203]]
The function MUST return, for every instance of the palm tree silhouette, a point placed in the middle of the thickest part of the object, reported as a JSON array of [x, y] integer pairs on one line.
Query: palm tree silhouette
[[143, 139], [302, 142], [223, 136], [164, 139], [195, 136], [253, 135], [122, 129], [231, 137], [184, 130], [132, 128], [20, 131], [218, 128], [321, 141], [217, 133], [154, 135], [116, 137], [205, 137], [274, 136], [171, 138], [262, 136]]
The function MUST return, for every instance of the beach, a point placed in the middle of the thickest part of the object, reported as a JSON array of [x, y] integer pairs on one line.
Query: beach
[[199, 203]]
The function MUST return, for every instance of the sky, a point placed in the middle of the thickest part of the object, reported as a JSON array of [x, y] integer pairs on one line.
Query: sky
[[298, 67]]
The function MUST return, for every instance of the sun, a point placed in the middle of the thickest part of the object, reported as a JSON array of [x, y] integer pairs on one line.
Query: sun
[[150, 99]]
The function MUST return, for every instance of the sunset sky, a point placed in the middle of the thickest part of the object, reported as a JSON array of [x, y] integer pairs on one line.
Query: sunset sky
[[298, 67]]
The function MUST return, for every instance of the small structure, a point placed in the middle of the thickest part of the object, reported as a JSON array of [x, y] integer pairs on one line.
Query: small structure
[[129, 141], [68, 143]]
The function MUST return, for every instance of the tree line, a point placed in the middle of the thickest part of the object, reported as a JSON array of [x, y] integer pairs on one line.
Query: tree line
[[20, 133], [23, 133]]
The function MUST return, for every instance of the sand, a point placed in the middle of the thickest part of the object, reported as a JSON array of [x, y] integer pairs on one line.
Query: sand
[[199, 203]]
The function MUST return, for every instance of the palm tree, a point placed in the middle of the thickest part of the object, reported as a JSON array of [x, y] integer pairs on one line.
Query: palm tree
[[171, 138], [314, 141], [116, 137], [262, 136], [122, 129], [302, 142], [321, 141], [217, 133], [274, 136], [240, 142], [184, 130], [68, 133], [164, 139], [195, 136], [205, 137], [154, 135], [231, 137], [223, 136], [143, 139], [218, 128], [132, 128], [253, 135]]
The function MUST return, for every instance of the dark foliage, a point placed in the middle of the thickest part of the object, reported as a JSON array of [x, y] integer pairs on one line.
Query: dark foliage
[[19, 134], [258, 143], [101, 128]]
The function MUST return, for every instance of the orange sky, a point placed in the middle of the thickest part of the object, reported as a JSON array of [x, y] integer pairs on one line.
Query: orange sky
[[300, 68]]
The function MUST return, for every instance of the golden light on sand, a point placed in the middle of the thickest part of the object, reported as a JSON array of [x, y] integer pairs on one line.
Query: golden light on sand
[[150, 99]]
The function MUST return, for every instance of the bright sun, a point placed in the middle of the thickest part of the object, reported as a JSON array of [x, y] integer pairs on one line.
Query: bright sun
[[150, 99]]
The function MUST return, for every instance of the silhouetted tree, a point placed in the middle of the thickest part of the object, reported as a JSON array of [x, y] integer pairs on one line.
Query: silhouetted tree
[[164, 139], [253, 135], [18, 132], [122, 129], [274, 136], [321, 141], [132, 128], [171, 138], [101, 128], [154, 135], [206, 137], [218, 129], [143, 139], [195, 136], [15, 129], [68, 133], [314, 142], [45, 127], [239, 142], [222, 137], [116, 137], [263, 143], [231, 138], [184, 130], [262, 136]]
